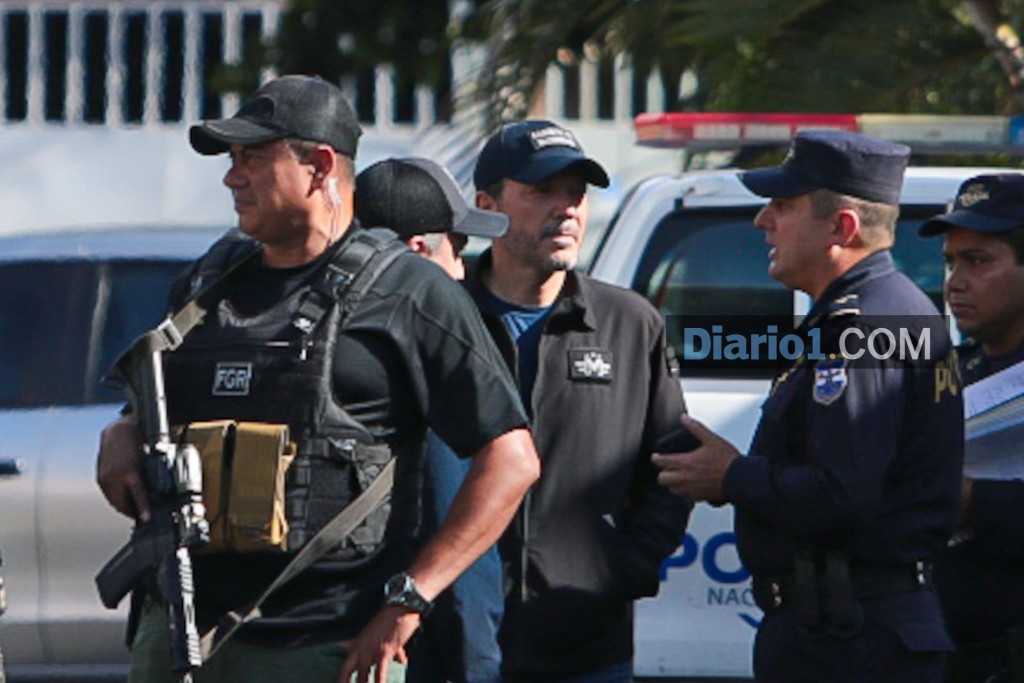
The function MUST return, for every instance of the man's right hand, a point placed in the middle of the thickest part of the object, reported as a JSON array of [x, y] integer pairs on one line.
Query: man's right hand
[[117, 469]]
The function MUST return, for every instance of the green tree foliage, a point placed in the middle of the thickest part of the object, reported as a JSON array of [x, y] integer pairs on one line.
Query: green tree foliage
[[349, 38], [525, 36], [924, 56]]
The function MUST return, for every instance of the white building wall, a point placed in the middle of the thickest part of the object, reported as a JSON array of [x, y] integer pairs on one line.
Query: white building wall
[[68, 171]]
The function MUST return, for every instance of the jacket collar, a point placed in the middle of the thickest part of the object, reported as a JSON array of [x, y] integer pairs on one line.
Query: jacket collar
[[574, 302], [835, 295]]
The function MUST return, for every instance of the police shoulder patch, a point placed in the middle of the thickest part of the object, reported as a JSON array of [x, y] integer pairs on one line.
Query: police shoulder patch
[[829, 380]]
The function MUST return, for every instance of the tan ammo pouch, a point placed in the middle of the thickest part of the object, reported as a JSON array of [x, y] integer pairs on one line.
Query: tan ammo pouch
[[244, 467]]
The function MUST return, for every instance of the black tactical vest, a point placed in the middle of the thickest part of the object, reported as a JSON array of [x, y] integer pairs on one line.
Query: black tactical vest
[[275, 367]]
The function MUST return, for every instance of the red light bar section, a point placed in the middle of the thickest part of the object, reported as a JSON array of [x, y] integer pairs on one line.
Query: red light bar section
[[718, 130]]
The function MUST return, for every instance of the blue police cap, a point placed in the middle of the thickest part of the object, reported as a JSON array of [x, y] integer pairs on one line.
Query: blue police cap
[[984, 203], [533, 151], [848, 163]]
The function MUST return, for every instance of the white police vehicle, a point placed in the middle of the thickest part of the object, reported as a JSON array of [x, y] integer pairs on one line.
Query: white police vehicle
[[71, 302], [687, 242]]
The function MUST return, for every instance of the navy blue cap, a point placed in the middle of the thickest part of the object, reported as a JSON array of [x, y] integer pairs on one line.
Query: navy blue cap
[[533, 151], [984, 203], [417, 196], [844, 162], [301, 107]]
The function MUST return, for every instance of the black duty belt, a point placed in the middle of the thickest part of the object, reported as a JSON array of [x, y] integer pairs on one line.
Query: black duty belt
[[773, 593]]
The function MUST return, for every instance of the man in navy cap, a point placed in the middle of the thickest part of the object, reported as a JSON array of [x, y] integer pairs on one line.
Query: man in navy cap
[[851, 483], [357, 346], [601, 385], [979, 577]]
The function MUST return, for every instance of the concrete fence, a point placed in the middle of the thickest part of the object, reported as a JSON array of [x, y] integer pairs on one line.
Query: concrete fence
[[129, 63], [126, 62]]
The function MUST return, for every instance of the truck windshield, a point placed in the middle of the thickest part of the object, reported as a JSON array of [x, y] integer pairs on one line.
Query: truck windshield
[[713, 264]]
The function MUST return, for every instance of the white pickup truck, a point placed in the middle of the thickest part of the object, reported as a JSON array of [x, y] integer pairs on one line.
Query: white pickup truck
[[687, 243]]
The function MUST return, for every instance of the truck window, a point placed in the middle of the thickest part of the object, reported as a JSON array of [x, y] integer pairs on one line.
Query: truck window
[[63, 323], [137, 302], [710, 265], [45, 312], [920, 258]]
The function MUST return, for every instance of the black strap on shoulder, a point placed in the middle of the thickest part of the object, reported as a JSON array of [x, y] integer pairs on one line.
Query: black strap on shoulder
[[349, 276], [232, 248], [215, 269]]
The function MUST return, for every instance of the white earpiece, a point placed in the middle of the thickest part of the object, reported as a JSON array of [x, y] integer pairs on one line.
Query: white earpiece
[[332, 191]]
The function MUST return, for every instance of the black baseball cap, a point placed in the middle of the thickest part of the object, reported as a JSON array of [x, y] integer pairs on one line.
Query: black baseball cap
[[302, 107], [984, 203], [533, 151], [417, 196], [849, 163]]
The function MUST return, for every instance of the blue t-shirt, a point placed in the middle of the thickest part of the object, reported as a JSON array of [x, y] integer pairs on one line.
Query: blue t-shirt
[[526, 325]]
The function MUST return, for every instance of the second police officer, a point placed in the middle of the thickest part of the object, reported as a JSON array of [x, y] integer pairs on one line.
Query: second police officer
[[979, 577]]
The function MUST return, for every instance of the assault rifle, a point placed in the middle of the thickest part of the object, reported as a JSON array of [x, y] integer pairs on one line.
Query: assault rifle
[[173, 478]]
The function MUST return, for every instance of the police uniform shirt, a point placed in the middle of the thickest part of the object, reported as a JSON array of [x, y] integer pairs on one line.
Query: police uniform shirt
[[979, 579], [862, 455], [413, 354]]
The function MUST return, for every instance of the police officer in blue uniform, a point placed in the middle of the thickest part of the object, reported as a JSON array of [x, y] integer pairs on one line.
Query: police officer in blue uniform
[[979, 577], [852, 481]]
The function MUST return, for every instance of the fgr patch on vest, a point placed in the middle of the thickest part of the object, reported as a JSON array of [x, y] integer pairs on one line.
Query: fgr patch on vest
[[829, 380], [552, 136], [232, 379], [591, 365]]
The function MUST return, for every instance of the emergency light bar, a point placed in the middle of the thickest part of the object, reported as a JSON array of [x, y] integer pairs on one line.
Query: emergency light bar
[[924, 133]]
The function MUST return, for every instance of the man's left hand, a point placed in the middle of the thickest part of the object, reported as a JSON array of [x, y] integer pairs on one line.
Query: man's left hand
[[697, 475], [382, 641]]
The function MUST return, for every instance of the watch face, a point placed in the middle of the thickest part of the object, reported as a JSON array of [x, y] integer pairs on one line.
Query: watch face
[[401, 590], [396, 585]]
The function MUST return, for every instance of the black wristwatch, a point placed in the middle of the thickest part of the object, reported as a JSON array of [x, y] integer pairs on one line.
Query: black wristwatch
[[401, 590]]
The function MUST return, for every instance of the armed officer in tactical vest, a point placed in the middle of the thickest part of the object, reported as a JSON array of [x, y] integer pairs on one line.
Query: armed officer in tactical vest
[[344, 348], [979, 576], [852, 481]]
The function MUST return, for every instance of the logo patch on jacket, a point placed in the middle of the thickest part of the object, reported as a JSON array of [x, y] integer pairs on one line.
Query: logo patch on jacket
[[591, 365], [829, 380], [232, 379]]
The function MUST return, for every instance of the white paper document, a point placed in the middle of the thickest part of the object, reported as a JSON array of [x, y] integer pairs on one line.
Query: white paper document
[[994, 433]]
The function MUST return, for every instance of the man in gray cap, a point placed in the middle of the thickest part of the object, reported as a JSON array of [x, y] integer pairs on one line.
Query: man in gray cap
[[850, 486], [979, 576], [355, 345], [421, 202]]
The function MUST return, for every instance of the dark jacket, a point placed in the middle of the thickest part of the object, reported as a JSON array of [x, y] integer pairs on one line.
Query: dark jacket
[[858, 456], [979, 579], [593, 532]]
